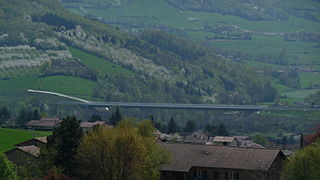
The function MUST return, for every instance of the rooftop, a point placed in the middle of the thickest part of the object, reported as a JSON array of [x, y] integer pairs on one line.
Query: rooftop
[[185, 156]]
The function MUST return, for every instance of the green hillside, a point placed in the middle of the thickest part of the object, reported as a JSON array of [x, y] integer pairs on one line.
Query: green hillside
[[45, 47], [244, 31]]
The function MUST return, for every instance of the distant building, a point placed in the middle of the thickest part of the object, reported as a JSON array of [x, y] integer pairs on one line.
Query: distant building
[[45, 123], [198, 137], [39, 141], [224, 141], [23, 155], [202, 162], [86, 126]]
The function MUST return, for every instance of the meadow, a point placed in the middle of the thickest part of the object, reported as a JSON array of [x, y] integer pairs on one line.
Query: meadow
[[10, 137]]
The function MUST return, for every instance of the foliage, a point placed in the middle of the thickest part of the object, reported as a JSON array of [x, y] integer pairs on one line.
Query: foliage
[[172, 126], [95, 118], [54, 176], [222, 130], [4, 114], [27, 115], [190, 127], [64, 142], [210, 130], [123, 152], [314, 99], [260, 139], [116, 117], [303, 165], [7, 169]]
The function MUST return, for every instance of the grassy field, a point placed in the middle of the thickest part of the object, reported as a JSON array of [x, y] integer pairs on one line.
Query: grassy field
[[63, 84], [9, 137], [103, 66]]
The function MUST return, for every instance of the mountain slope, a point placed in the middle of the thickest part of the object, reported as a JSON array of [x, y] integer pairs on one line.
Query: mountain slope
[[154, 66]]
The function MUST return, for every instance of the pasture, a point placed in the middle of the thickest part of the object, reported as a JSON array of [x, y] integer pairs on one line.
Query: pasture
[[10, 137]]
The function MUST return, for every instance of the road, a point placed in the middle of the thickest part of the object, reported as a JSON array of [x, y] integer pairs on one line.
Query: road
[[93, 104]]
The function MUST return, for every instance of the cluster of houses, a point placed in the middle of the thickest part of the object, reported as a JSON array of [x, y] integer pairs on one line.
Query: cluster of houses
[[193, 157]]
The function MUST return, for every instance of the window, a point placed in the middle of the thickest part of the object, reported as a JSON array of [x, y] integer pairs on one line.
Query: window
[[231, 176], [215, 175], [200, 173]]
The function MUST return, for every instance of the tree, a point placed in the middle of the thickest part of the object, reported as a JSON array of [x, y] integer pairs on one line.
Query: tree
[[303, 165], [172, 126], [190, 127], [7, 169], [36, 114], [155, 123], [95, 118], [64, 142], [210, 130], [115, 117], [260, 139], [4, 114], [222, 130], [121, 153], [25, 116]]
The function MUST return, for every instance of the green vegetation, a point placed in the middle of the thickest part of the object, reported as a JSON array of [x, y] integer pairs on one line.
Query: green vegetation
[[7, 168], [104, 67], [292, 26], [9, 137], [303, 165]]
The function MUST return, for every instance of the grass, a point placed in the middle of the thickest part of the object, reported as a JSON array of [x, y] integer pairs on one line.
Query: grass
[[102, 66], [9, 137], [296, 96], [68, 85]]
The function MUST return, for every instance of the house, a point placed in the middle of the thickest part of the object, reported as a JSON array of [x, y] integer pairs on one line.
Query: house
[[23, 155], [250, 144], [45, 123], [198, 137], [225, 141], [39, 141], [202, 162], [86, 126]]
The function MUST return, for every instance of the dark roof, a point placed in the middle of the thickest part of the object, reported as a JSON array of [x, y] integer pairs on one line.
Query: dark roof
[[44, 122], [228, 139], [91, 124], [198, 137], [185, 156], [31, 150], [38, 139]]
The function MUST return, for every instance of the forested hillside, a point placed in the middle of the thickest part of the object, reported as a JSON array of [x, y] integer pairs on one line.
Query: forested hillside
[[279, 39], [42, 41]]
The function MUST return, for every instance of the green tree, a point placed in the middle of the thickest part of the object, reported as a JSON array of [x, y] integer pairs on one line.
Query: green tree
[[64, 142], [25, 116], [260, 139], [7, 169], [172, 126], [222, 130], [127, 151], [36, 114], [95, 118], [190, 127], [303, 165], [115, 117], [4, 114], [210, 130]]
